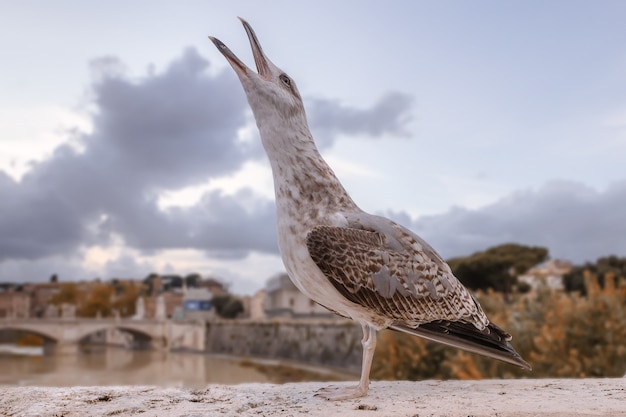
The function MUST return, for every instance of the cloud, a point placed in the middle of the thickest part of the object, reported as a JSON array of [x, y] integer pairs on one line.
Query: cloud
[[26, 270], [572, 220], [180, 127], [220, 224], [35, 222], [125, 266], [388, 116], [151, 134], [233, 223], [164, 131], [171, 129]]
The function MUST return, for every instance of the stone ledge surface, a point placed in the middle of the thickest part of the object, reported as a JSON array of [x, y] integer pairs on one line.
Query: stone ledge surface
[[502, 398]]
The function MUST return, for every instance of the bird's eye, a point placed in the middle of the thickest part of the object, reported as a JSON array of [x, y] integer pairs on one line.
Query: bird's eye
[[285, 80]]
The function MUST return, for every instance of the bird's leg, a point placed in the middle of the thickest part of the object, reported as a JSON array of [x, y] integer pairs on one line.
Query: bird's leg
[[346, 393]]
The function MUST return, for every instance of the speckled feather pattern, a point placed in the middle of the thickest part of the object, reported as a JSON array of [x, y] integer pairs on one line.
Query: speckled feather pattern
[[407, 286]]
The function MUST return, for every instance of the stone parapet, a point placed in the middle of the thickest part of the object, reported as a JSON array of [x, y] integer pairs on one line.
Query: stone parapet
[[503, 398]]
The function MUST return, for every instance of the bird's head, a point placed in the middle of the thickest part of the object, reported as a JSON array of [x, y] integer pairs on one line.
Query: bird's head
[[271, 93]]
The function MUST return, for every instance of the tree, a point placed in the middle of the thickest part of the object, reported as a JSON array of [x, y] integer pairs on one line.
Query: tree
[[583, 336], [149, 282], [126, 294], [575, 279], [227, 306], [400, 356], [192, 280], [97, 301], [497, 267], [68, 294], [562, 335]]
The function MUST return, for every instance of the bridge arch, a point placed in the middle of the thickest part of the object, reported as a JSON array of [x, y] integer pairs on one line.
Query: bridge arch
[[104, 327], [48, 336], [142, 338]]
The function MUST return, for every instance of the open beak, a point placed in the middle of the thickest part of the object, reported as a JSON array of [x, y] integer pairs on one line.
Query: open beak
[[260, 60]]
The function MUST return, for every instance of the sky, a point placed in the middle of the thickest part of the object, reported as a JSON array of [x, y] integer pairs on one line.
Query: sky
[[127, 146]]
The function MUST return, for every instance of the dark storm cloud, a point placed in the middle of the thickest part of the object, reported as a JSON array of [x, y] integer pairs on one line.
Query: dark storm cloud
[[573, 221], [163, 131]]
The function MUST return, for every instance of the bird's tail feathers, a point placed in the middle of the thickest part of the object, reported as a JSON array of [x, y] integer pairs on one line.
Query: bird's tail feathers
[[492, 341]]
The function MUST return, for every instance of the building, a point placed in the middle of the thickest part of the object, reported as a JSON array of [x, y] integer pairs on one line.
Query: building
[[169, 300], [14, 303], [549, 273], [197, 304], [175, 293], [254, 306], [41, 294], [283, 299], [216, 287], [161, 297]]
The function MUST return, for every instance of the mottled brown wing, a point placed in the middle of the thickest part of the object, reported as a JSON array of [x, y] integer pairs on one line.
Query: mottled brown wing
[[402, 283]]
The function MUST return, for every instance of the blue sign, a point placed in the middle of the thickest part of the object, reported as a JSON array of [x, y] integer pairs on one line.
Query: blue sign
[[197, 305]]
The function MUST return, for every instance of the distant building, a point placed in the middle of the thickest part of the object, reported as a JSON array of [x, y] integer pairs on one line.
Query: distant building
[[216, 287], [162, 297], [549, 273], [68, 311], [170, 300], [283, 299], [197, 304], [254, 307], [175, 295], [14, 304], [40, 297]]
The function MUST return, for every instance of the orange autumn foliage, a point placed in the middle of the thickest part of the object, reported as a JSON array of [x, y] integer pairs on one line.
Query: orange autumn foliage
[[560, 334]]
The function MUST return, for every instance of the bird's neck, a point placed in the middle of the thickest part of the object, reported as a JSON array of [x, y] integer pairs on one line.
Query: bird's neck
[[300, 173]]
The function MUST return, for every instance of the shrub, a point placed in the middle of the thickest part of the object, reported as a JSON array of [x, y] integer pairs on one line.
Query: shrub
[[560, 334]]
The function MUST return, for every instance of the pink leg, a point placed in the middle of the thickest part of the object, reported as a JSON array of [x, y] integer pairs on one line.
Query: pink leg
[[345, 393]]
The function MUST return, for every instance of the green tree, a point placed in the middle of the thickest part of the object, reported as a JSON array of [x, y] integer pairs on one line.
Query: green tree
[[227, 306], [575, 279], [497, 267], [149, 282], [192, 280]]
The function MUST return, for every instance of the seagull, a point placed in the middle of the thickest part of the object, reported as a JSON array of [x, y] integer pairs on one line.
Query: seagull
[[360, 266]]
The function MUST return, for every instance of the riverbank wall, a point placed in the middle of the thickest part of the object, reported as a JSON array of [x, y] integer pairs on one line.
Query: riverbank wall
[[333, 343]]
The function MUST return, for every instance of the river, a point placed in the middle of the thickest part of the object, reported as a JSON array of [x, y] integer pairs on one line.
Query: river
[[119, 366], [107, 365]]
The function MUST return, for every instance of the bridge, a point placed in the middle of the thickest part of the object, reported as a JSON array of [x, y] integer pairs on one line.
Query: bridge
[[65, 335]]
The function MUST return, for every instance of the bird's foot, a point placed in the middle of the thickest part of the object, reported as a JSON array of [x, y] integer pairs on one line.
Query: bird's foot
[[334, 393]]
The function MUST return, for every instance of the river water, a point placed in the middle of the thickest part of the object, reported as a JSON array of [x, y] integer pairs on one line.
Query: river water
[[119, 366]]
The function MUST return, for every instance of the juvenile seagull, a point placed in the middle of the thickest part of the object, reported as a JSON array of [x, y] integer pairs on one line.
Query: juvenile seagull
[[361, 266]]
